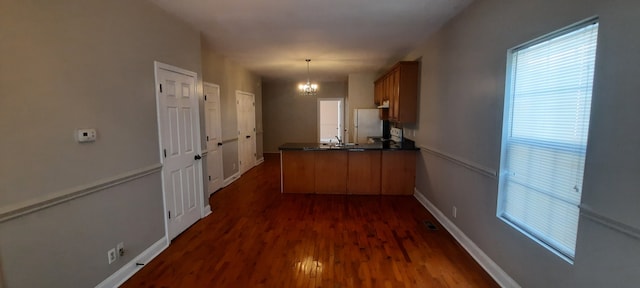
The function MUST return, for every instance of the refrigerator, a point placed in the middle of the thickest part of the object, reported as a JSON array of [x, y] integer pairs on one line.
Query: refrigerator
[[366, 123]]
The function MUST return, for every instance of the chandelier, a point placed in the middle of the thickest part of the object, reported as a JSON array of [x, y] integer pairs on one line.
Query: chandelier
[[308, 89]]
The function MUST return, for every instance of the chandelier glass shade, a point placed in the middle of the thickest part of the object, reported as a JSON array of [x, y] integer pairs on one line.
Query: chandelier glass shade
[[308, 89]]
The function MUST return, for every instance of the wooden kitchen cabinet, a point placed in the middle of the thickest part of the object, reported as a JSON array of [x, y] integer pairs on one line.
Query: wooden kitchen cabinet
[[331, 172], [378, 90], [364, 172], [298, 171], [398, 172], [400, 87], [368, 172]]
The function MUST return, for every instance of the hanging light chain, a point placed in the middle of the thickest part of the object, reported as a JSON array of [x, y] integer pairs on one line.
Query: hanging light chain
[[308, 89]]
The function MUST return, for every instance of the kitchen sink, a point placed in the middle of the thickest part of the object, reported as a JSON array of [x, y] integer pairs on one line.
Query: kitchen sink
[[336, 145]]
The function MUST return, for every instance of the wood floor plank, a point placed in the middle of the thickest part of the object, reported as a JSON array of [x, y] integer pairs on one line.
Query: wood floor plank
[[258, 237]]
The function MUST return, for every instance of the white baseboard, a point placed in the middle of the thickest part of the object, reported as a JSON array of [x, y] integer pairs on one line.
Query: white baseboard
[[230, 180], [503, 279], [259, 161], [126, 271], [207, 210]]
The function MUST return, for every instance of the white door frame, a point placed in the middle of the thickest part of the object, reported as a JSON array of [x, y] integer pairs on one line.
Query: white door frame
[[157, 66]]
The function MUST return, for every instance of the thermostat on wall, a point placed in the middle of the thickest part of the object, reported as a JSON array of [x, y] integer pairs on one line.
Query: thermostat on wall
[[86, 135]]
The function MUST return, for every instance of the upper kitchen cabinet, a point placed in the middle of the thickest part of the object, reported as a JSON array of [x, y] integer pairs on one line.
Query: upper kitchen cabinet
[[399, 86]]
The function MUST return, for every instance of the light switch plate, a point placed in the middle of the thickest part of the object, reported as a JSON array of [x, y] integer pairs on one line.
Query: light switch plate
[[86, 135]]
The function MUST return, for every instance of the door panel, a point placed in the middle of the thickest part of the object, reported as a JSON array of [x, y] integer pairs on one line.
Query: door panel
[[179, 137], [174, 138], [176, 204]]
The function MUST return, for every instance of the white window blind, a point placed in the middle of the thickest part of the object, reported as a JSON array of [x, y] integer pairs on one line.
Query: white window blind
[[548, 102]]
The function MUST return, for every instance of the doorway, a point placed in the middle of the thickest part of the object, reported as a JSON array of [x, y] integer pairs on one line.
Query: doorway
[[179, 132]]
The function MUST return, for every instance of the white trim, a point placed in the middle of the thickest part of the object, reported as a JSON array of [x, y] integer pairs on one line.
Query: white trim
[[259, 161], [486, 171], [32, 205], [500, 276], [609, 222], [231, 179], [207, 210], [159, 65], [127, 270]]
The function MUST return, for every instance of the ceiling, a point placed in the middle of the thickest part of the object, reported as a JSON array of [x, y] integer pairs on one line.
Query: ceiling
[[273, 38]]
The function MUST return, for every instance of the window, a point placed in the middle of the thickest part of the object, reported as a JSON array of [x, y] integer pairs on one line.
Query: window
[[330, 119], [544, 138]]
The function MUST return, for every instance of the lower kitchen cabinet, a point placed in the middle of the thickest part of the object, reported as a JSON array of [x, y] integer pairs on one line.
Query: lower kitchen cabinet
[[364, 172], [368, 172], [331, 172], [398, 172], [298, 172]]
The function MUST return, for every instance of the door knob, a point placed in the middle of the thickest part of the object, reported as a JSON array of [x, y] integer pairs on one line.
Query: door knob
[[248, 136], [197, 157], [219, 143]]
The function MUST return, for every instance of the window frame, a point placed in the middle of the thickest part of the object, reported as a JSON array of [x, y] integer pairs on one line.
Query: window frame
[[340, 119], [508, 113]]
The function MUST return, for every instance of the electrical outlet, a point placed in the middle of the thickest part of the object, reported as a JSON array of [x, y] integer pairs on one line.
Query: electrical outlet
[[120, 249], [111, 255], [454, 212], [233, 166]]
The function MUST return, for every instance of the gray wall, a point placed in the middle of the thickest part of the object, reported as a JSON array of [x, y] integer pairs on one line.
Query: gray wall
[[360, 96], [71, 64], [289, 117], [231, 77], [461, 102]]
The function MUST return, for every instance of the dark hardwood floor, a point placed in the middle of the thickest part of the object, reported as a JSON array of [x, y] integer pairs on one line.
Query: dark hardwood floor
[[257, 237]]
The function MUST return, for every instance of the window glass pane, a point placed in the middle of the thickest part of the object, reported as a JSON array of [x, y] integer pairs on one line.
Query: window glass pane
[[545, 136], [330, 120]]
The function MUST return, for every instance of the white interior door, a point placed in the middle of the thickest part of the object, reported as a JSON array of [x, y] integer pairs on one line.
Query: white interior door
[[246, 130], [179, 130], [213, 127]]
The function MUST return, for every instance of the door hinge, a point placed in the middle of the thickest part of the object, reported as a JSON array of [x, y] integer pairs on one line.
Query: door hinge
[[209, 177], [207, 138], [160, 88], [205, 97], [165, 153], [169, 213]]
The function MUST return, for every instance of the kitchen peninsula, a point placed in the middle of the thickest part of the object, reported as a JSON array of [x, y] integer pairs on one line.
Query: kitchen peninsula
[[365, 169]]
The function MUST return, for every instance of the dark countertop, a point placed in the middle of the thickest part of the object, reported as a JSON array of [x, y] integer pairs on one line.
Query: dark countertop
[[386, 145]]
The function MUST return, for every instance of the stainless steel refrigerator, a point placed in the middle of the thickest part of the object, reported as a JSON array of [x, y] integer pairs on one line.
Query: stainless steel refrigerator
[[367, 123]]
